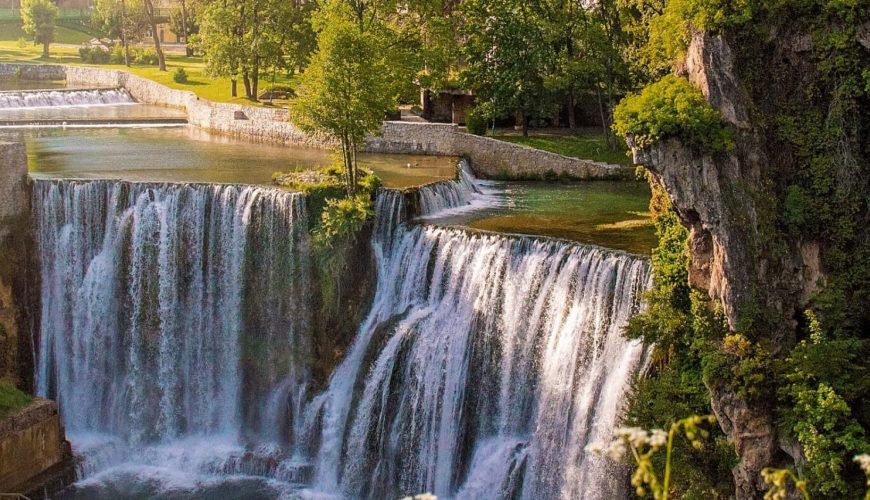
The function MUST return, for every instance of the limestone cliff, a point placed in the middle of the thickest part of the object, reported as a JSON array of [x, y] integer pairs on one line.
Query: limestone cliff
[[726, 201]]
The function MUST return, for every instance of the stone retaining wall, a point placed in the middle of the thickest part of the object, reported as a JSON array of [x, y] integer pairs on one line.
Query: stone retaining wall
[[33, 450], [489, 157], [14, 253]]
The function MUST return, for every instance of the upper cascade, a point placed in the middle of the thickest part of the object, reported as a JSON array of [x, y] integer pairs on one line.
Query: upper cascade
[[466, 193], [64, 97]]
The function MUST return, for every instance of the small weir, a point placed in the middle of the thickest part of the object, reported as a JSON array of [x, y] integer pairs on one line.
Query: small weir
[[17, 99]]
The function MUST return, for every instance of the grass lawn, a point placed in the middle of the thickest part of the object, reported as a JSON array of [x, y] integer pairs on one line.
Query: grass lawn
[[11, 399], [213, 89], [10, 31], [587, 145]]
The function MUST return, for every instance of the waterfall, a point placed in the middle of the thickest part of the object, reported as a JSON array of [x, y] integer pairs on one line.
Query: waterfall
[[63, 97], [172, 312], [485, 366], [455, 196], [176, 336]]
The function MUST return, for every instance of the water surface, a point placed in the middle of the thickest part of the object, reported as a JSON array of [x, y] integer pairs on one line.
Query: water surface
[[187, 154], [612, 214]]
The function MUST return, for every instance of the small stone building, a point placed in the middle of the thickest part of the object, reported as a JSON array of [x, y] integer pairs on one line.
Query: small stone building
[[446, 106]]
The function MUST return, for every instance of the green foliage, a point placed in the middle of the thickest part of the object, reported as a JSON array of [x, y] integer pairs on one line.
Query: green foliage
[[38, 17], [180, 76], [476, 121], [126, 21], [348, 87], [240, 39], [669, 33], [655, 472], [683, 331], [671, 107], [341, 220], [506, 56], [11, 399], [94, 55]]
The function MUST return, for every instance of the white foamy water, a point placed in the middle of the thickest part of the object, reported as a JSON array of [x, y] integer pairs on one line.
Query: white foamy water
[[486, 365], [63, 97], [465, 194], [175, 336]]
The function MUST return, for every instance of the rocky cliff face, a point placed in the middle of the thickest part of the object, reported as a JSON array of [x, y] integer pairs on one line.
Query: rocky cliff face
[[723, 200], [15, 266]]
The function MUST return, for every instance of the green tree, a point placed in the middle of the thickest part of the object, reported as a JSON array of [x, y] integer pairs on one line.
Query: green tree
[[242, 39], [347, 88], [507, 57], [152, 23], [122, 19], [38, 17]]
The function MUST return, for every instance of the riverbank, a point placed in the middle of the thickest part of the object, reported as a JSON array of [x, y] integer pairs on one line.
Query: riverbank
[[489, 157]]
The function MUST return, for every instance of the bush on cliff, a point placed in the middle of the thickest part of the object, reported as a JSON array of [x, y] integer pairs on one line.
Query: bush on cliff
[[671, 107]]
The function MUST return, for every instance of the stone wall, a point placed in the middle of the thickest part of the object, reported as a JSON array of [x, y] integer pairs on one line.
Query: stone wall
[[489, 157], [15, 257], [34, 453]]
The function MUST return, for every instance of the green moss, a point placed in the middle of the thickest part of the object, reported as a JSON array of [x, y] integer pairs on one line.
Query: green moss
[[671, 107], [11, 399]]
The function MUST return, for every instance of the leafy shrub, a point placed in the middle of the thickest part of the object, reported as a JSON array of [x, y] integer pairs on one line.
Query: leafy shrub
[[180, 76], [145, 57], [476, 121], [94, 55], [117, 54], [341, 220], [671, 107]]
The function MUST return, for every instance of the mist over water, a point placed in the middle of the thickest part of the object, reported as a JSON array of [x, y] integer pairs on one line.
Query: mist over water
[[176, 335]]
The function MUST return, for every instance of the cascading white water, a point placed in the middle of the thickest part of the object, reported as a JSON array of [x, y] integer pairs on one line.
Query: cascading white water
[[485, 366], [175, 337], [172, 313], [454, 196], [63, 97]]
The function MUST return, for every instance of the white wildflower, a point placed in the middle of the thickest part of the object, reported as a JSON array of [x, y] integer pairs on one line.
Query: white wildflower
[[658, 438], [616, 450]]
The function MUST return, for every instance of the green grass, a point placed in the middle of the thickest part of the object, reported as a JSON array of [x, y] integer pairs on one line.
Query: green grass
[[11, 399], [587, 146], [10, 31], [213, 89]]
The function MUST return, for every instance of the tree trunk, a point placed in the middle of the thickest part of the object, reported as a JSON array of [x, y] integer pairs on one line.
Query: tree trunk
[[233, 87], [601, 111], [152, 21], [247, 81], [187, 50], [525, 125], [124, 42], [255, 79], [572, 116], [45, 50]]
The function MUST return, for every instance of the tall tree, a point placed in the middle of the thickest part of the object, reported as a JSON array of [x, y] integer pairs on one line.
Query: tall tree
[[347, 89], [507, 56], [152, 21], [121, 19], [241, 39], [38, 17]]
